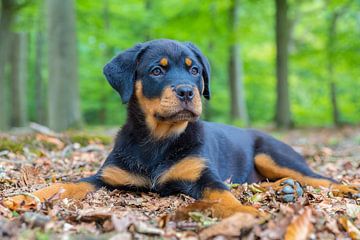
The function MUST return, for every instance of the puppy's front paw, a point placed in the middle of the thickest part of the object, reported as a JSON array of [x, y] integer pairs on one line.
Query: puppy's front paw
[[21, 202]]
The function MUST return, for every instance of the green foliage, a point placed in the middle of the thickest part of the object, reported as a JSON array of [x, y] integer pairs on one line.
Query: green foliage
[[108, 27]]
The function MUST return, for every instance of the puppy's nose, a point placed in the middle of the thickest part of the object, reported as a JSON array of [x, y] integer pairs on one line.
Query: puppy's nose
[[184, 93]]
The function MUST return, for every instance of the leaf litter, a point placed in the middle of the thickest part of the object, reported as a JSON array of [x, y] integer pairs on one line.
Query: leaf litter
[[29, 162]]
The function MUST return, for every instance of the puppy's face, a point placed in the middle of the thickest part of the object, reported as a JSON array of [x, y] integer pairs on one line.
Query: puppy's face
[[169, 83], [167, 78]]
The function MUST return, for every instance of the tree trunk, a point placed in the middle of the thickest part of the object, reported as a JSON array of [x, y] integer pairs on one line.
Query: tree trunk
[[330, 68], [63, 104], [6, 17], [207, 111], [19, 64], [102, 114], [40, 107], [238, 104], [283, 115]]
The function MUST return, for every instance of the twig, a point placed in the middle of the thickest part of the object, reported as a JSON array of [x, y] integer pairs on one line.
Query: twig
[[16, 161]]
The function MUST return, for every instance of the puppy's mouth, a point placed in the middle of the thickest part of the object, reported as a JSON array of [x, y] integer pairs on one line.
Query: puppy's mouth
[[182, 115]]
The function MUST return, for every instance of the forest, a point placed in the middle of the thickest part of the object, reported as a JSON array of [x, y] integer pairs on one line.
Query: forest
[[288, 64], [287, 67]]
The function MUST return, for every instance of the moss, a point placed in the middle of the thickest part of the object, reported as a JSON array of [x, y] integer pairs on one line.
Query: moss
[[86, 139], [48, 146], [14, 146]]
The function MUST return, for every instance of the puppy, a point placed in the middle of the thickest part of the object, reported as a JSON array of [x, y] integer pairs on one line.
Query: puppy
[[164, 147]]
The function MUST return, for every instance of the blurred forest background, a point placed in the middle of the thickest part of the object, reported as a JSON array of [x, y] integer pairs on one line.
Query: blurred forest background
[[289, 62]]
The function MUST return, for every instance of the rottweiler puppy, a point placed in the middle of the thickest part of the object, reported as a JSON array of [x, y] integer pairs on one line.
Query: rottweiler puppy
[[164, 147]]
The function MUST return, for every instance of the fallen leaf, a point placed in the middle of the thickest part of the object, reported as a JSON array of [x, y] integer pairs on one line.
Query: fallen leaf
[[350, 228], [30, 176], [199, 205], [122, 224], [90, 215], [145, 228], [51, 140], [201, 218], [229, 227], [301, 227]]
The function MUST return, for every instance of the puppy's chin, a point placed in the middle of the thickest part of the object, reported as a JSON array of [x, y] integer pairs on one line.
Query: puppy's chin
[[183, 115]]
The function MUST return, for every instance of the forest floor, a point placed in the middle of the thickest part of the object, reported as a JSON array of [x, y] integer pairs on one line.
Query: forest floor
[[29, 162]]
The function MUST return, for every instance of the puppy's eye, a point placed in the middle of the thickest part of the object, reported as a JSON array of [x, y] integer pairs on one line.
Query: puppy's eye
[[194, 71], [156, 71]]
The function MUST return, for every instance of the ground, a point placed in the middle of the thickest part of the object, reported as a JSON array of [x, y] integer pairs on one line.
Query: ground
[[30, 161]]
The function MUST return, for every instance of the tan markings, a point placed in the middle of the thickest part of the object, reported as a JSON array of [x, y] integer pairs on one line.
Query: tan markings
[[197, 100], [164, 62], [188, 169], [267, 167], [226, 204], [167, 105], [64, 190], [118, 177], [203, 85], [188, 61]]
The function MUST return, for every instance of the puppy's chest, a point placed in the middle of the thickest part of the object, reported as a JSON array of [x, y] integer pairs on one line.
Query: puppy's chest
[[160, 168], [167, 172]]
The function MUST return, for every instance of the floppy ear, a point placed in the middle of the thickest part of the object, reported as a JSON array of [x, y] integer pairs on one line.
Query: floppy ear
[[206, 68], [120, 72]]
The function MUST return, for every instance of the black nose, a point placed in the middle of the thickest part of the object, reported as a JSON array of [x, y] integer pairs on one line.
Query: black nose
[[184, 93]]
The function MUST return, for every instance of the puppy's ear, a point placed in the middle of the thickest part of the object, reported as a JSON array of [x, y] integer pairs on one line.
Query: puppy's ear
[[206, 68], [120, 71]]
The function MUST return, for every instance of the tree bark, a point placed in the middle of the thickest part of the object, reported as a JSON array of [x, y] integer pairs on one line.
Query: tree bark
[[40, 107], [207, 110], [102, 113], [283, 114], [19, 70], [330, 68], [63, 92], [238, 104], [6, 17]]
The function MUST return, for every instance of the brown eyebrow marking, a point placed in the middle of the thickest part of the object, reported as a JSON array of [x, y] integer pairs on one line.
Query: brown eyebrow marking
[[188, 61], [164, 62]]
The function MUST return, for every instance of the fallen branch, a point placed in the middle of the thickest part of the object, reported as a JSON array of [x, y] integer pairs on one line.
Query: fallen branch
[[44, 130]]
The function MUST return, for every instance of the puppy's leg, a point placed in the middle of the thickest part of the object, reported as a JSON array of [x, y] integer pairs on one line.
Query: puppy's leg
[[225, 203], [76, 190], [276, 160], [192, 177]]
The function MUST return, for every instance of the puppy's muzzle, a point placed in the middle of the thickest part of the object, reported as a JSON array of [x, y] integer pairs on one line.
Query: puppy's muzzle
[[184, 93]]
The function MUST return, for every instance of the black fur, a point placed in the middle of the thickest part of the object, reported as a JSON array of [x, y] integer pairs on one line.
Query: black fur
[[229, 152]]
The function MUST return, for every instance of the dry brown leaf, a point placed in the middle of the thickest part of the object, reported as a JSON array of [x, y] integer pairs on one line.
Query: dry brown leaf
[[350, 228], [30, 176], [145, 228], [52, 140], [199, 205], [229, 227], [301, 227], [90, 215], [122, 224]]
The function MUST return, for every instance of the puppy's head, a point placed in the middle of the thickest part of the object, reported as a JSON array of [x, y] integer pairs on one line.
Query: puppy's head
[[167, 79]]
